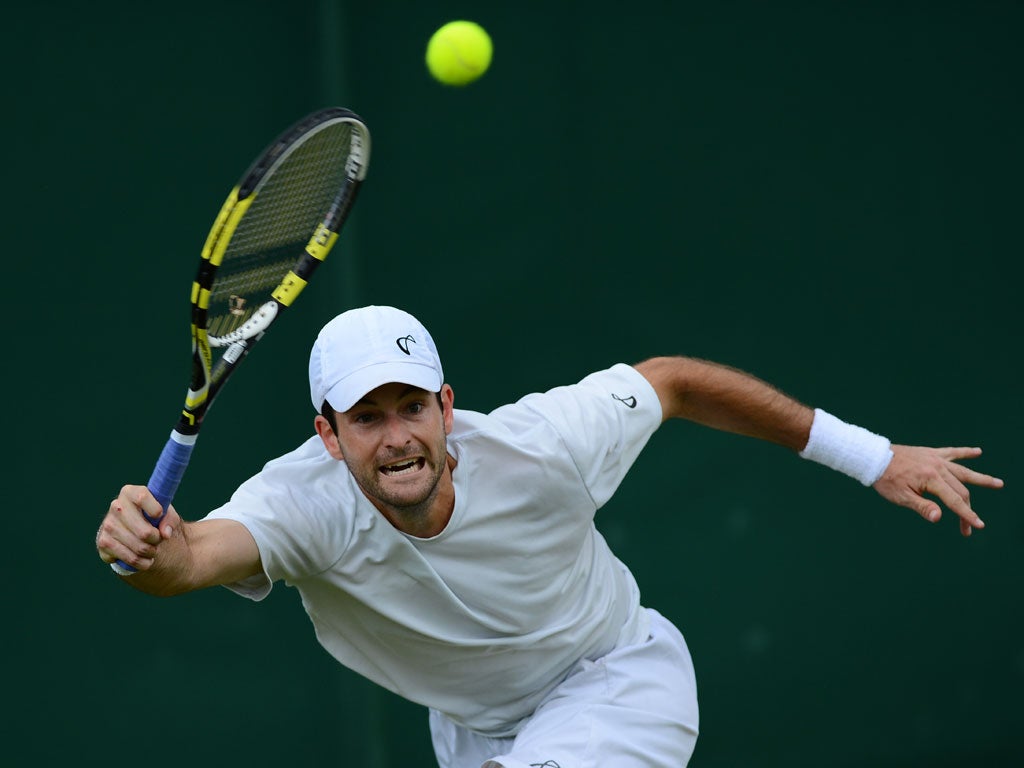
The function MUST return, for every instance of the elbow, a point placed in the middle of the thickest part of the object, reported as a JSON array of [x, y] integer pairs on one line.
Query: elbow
[[672, 379]]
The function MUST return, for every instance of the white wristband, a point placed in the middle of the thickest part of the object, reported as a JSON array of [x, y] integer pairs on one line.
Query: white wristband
[[847, 448]]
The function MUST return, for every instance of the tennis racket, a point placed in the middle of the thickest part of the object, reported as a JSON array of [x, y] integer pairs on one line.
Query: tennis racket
[[275, 228]]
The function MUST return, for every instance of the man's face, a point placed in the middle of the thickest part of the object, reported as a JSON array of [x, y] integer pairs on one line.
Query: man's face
[[394, 441]]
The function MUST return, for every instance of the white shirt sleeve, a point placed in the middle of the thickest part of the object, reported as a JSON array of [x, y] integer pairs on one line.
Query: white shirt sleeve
[[294, 509], [604, 422]]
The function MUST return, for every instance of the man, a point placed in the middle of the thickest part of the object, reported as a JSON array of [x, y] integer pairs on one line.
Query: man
[[451, 556]]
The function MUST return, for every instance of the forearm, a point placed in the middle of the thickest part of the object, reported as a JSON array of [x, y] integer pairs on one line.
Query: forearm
[[198, 555], [727, 399]]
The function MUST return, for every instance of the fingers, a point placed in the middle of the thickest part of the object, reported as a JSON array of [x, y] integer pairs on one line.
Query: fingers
[[961, 476], [966, 474], [956, 454], [954, 494], [125, 533], [916, 472], [115, 541]]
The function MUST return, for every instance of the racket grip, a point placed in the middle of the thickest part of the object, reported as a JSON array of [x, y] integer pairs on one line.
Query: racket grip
[[164, 481], [169, 470]]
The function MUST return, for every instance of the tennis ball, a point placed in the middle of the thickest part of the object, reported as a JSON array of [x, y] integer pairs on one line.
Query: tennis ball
[[459, 52]]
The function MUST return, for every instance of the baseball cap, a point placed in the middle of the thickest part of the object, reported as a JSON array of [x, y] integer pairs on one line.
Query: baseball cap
[[364, 348]]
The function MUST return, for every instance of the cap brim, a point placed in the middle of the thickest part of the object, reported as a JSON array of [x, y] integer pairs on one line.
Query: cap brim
[[350, 390]]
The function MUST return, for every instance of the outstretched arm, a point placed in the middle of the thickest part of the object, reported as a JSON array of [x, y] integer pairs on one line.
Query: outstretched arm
[[725, 398]]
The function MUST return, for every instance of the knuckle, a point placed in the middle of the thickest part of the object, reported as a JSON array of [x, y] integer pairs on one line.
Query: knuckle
[[136, 561]]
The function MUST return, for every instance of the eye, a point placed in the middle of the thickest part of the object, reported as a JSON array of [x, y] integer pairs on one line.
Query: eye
[[363, 418], [416, 408]]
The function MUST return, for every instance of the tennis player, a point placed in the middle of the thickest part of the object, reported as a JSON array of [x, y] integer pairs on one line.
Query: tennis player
[[451, 556]]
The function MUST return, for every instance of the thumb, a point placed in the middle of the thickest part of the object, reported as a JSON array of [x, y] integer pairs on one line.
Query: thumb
[[929, 510], [906, 496], [170, 523]]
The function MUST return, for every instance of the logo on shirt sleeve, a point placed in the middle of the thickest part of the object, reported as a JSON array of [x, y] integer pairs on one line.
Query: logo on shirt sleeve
[[629, 402]]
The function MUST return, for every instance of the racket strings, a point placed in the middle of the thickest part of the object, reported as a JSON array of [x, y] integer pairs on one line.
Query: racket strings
[[288, 204]]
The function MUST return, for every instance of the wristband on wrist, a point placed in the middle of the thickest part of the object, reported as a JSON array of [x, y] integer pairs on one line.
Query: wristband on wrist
[[847, 448]]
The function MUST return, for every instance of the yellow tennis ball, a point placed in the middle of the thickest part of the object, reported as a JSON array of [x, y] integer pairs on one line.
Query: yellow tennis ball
[[459, 52]]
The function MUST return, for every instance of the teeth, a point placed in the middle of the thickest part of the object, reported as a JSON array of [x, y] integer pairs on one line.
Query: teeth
[[402, 467]]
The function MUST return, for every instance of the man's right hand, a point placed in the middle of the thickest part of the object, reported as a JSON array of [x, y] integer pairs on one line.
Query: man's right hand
[[127, 535]]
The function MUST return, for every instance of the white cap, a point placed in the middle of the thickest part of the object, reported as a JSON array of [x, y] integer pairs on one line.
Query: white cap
[[363, 349]]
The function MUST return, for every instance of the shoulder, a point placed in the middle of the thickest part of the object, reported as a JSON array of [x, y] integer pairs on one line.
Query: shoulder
[[618, 394], [593, 430], [301, 509], [300, 494], [609, 404]]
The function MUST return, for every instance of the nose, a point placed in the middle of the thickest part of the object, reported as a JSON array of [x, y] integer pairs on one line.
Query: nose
[[396, 433]]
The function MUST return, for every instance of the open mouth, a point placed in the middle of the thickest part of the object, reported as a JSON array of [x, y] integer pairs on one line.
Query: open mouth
[[404, 467]]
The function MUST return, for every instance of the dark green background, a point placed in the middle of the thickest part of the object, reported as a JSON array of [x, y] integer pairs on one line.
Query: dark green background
[[826, 194]]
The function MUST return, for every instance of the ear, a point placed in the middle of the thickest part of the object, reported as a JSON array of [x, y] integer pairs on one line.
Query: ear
[[447, 406], [327, 436]]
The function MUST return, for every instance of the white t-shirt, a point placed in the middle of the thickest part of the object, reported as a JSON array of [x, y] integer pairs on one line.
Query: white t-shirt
[[481, 621]]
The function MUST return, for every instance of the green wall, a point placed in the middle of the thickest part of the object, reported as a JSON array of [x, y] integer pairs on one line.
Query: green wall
[[827, 195]]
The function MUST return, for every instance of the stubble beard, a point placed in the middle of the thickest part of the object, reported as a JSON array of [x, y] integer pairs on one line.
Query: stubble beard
[[410, 507]]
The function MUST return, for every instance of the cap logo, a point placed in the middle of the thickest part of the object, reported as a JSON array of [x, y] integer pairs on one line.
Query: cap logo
[[403, 343]]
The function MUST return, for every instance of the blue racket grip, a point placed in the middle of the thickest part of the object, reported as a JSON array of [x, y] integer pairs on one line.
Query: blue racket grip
[[164, 481]]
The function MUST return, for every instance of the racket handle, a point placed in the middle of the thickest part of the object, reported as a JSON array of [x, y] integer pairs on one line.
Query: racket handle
[[164, 481]]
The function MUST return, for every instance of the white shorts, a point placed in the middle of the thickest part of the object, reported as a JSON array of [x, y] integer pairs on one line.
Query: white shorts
[[634, 708]]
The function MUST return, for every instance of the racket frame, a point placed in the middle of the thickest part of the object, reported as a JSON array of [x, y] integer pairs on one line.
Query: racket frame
[[208, 377]]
